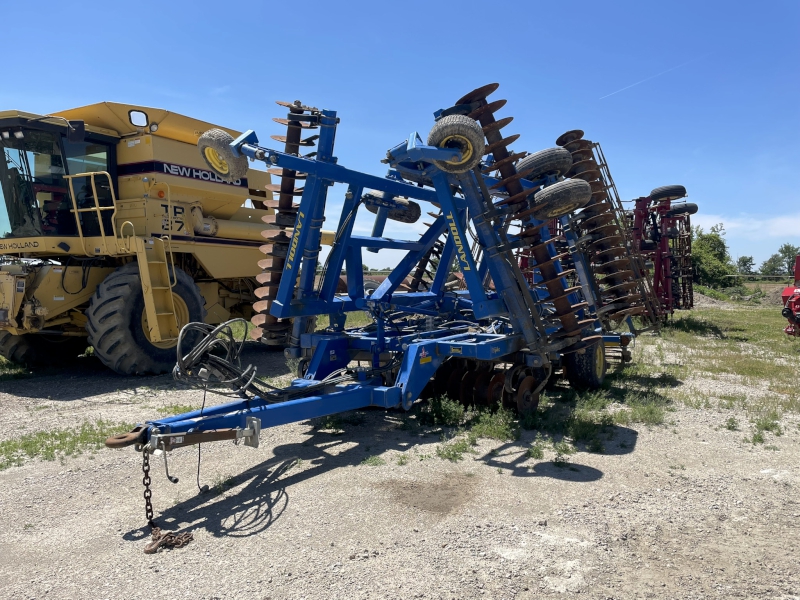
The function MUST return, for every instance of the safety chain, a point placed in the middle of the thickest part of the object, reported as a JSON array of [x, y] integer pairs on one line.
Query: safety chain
[[148, 494], [171, 540], [159, 539]]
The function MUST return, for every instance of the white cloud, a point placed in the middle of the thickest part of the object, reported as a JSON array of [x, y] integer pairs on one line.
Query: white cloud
[[754, 235]]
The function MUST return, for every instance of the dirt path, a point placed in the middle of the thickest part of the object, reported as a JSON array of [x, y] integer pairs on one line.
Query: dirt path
[[684, 510]]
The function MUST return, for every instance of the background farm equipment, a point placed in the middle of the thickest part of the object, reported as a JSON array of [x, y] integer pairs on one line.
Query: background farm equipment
[[662, 233], [114, 234], [791, 303], [536, 299]]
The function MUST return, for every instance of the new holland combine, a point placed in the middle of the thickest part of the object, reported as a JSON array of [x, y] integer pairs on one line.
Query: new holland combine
[[540, 241], [114, 233]]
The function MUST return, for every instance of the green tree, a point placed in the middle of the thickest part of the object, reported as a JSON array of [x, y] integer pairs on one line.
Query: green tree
[[710, 256], [788, 254], [773, 266], [745, 265]]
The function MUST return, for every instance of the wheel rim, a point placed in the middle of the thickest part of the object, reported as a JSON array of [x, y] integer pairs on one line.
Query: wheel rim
[[599, 360], [181, 315], [218, 163], [460, 143]]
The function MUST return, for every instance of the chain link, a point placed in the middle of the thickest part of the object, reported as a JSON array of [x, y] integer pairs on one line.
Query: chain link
[[148, 494], [159, 539]]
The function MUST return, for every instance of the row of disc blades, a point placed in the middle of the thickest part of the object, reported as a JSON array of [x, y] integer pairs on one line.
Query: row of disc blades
[[483, 110], [271, 330], [604, 241]]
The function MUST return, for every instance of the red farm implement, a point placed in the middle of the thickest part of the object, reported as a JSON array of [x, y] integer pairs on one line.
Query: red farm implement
[[791, 302], [662, 233]]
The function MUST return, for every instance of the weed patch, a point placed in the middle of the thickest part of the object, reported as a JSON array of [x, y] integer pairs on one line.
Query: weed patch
[[373, 461], [49, 445]]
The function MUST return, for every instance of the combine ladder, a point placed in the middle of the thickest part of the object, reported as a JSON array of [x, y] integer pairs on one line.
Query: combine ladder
[[159, 303]]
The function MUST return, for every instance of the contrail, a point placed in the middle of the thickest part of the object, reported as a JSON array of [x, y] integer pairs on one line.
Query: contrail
[[652, 77]]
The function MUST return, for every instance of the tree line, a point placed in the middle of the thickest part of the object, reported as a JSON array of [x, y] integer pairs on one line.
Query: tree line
[[714, 264]]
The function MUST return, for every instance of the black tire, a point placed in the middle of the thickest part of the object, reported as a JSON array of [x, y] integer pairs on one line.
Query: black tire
[[408, 211], [588, 370], [561, 198], [370, 285], [463, 134], [33, 350], [668, 192], [551, 161], [214, 146], [689, 208], [115, 323]]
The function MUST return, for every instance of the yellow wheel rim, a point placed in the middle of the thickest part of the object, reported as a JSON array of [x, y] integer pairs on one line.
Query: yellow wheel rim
[[460, 143], [599, 359], [216, 161], [181, 315]]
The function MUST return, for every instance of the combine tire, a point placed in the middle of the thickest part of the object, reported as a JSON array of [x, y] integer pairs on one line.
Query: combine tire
[[116, 322], [215, 149], [407, 210], [33, 350], [552, 161], [588, 370], [561, 198], [668, 192], [463, 134]]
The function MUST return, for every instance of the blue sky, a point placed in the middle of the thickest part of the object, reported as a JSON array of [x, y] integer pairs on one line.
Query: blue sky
[[705, 94]]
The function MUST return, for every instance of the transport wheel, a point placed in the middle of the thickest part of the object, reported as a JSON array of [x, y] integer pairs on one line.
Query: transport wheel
[[527, 400], [33, 350], [215, 149], [668, 192], [408, 211], [552, 161], [370, 285], [689, 208], [460, 133], [561, 198], [117, 323], [588, 370]]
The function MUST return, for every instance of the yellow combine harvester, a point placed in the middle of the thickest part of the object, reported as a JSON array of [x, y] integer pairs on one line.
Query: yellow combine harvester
[[115, 234]]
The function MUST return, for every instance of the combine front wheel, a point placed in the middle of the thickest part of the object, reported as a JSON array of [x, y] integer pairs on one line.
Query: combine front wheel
[[118, 328]]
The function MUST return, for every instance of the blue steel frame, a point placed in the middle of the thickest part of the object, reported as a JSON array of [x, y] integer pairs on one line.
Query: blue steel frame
[[519, 336]]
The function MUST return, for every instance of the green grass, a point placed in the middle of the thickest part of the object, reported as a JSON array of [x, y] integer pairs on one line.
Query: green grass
[[441, 410], [10, 370], [358, 318], [500, 425], [176, 409], [50, 445], [403, 459], [732, 424], [373, 461], [454, 449]]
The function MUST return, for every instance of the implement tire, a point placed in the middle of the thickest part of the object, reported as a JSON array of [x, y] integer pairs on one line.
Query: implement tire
[[588, 370], [668, 192], [116, 322], [551, 161], [214, 146], [407, 211], [34, 350], [561, 199], [460, 133]]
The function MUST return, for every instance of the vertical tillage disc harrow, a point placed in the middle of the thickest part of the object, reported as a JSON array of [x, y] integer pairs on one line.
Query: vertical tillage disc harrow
[[269, 329], [517, 201], [624, 287]]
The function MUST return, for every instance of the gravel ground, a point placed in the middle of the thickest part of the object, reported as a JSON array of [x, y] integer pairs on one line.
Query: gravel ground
[[684, 510]]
